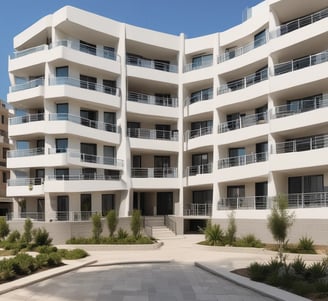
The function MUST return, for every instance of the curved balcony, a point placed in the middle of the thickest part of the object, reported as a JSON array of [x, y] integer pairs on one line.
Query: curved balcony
[[242, 160], [204, 62], [191, 134], [18, 54], [153, 100], [199, 169], [152, 64], [198, 138], [154, 172], [198, 175]]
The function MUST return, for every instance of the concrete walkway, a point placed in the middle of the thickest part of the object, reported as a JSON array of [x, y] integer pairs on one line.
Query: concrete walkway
[[165, 273]]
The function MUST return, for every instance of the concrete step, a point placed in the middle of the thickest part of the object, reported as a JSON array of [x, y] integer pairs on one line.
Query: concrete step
[[162, 232]]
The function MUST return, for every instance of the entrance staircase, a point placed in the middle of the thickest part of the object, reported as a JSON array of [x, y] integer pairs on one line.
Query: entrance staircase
[[155, 227]]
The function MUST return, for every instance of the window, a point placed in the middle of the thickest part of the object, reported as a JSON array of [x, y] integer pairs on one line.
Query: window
[[88, 48], [62, 71], [235, 195], [4, 152], [62, 173], [62, 111], [109, 52], [88, 152], [261, 113], [88, 82], [202, 61], [107, 203], [110, 121], [89, 173], [260, 38], [133, 129], [203, 94], [162, 65], [61, 145], [237, 156], [163, 99], [109, 86], [200, 128], [85, 203], [163, 131], [202, 197], [39, 176], [22, 144], [2, 119], [199, 164], [109, 154], [4, 177], [89, 118], [62, 207], [111, 174], [305, 104]]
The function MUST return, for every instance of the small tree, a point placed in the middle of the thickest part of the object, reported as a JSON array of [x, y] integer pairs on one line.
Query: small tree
[[97, 226], [27, 235], [112, 222], [136, 223], [279, 221], [232, 229], [214, 235], [4, 227]]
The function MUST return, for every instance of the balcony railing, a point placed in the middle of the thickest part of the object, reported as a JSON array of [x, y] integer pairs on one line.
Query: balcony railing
[[198, 210], [301, 63], [100, 51], [55, 81], [26, 118], [308, 200], [25, 181], [152, 64], [25, 152], [27, 85], [205, 62], [37, 216], [152, 134], [153, 100], [84, 121], [242, 160], [303, 105], [242, 203], [202, 96], [83, 177], [190, 134], [302, 144], [155, 172], [24, 52], [199, 169], [228, 55], [299, 23], [245, 82], [243, 121]]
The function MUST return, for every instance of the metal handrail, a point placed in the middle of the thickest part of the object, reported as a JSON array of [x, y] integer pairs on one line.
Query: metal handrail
[[199, 169], [82, 177], [26, 118], [190, 134], [25, 152], [242, 160], [245, 82], [308, 200], [205, 62], [154, 172], [204, 95], [152, 134], [25, 181], [27, 85], [250, 203], [28, 51], [54, 81], [243, 121], [297, 64], [152, 99], [152, 64], [198, 210], [302, 144]]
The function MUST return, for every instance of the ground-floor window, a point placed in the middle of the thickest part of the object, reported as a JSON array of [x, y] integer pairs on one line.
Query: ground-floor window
[[107, 203]]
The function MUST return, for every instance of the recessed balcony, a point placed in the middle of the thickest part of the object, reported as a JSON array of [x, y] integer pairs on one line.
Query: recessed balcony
[[242, 160], [155, 172], [244, 203], [151, 64], [200, 63], [198, 210], [199, 169], [152, 99]]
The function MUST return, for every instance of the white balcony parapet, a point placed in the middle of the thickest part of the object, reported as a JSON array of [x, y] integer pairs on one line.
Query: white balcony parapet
[[242, 160], [25, 152], [245, 82], [83, 177], [199, 169], [243, 121], [25, 181], [154, 172], [299, 23], [243, 203], [82, 47], [152, 134], [304, 105], [198, 210], [27, 85], [152, 99], [228, 55], [152, 64], [26, 118], [55, 81], [302, 144], [24, 52], [203, 63], [84, 121], [297, 64], [190, 134], [87, 158]]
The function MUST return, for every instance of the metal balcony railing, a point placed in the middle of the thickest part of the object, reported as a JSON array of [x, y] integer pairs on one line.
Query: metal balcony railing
[[198, 210], [82, 47], [199, 169], [242, 160], [84, 121], [190, 134], [152, 64], [37, 216], [24, 52], [242, 203], [25, 181], [84, 85], [27, 85], [202, 96], [83, 177], [228, 55], [303, 105], [26, 118], [299, 23], [301, 63], [245, 82], [152, 134], [302, 144], [25, 152], [203, 63], [243, 121], [153, 100], [154, 172], [308, 200]]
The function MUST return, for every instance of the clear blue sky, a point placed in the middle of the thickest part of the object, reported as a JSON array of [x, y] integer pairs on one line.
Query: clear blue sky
[[194, 18]]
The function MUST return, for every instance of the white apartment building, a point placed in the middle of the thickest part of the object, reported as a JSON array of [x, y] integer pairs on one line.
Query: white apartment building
[[113, 116]]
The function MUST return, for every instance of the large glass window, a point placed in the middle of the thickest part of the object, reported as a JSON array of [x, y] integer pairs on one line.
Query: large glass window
[[109, 52], [109, 86], [62, 207], [85, 203], [109, 154], [89, 118], [202, 60], [110, 121], [88, 48], [88, 152], [62, 111], [107, 203], [133, 129], [62, 173], [62, 71], [260, 38], [88, 82], [237, 156], [203, 94], [202, 197], [61, 145]]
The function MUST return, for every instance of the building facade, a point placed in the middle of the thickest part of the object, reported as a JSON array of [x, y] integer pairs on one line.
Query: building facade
[[113, 116]]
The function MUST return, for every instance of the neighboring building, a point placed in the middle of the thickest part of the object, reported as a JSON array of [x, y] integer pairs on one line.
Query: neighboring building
[[121, 117], [5, 202]]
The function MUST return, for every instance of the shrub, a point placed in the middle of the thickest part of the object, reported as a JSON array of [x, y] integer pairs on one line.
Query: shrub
[[24, 264], [45, 249], [230, 235], [213, 234], [97, 226], [136, 223], [54, 259], [4, 227], [42, 260], [27, 234], [305, 245], [41, 237], [73, 254], [14, 236], [112, 222], [6, 269], [248, 241], [257, 271], [316, 271], [299, 265], [122, 234]]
